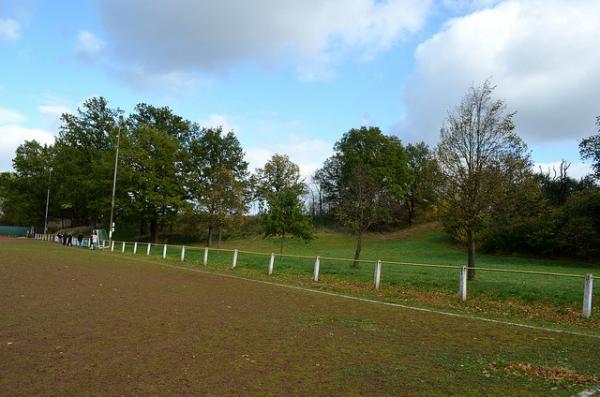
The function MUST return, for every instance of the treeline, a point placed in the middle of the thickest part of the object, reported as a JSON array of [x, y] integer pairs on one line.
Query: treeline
[[479, 181]]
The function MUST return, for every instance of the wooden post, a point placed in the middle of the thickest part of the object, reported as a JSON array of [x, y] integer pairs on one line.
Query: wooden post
[[165, 251], [271, 263], [205, 262], [234, 262], [377, 274], [587, 296], [122, 248], [462, 289], [316, 271], [112, 246], [135, 248], [183, 253], [148, 249]]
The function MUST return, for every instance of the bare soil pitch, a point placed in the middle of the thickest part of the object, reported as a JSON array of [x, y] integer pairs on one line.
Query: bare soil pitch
[[75, 322]]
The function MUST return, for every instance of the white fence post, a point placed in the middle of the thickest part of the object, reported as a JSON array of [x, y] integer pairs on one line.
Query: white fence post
[[123, 248], [112, 246], [316, 271], [271, 263], [234, 262], [377, 274], [587, 296], [148, 249], [165, 251], [183, 253], [205, 262], [462, 289], [135, 248]]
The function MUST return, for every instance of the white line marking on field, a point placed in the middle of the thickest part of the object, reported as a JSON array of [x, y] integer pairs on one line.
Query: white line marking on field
[[356, 298]]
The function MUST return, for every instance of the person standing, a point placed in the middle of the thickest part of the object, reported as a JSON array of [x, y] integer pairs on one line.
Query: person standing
[[80, 239], [94, 240]]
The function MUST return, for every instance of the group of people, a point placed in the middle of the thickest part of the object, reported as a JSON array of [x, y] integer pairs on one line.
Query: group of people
[[66, 239]]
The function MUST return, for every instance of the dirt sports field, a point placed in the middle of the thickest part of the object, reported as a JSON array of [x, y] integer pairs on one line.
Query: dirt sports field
[[75, 322]]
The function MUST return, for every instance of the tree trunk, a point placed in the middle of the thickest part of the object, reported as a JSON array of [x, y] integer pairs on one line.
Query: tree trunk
[[220, 235], [356, 262], [471, 255], [210, 232], [411, 212], [154, 230]]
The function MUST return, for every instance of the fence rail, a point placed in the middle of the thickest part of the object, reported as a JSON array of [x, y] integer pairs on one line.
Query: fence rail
[[185, 251]]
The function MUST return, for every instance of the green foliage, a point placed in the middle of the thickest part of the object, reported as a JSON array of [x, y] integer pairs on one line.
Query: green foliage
[[23, 192], [365, 179], [423, 174], [84, 161], [154, 162], [217, 180], [279, 190], [480, 158], [589, 148]]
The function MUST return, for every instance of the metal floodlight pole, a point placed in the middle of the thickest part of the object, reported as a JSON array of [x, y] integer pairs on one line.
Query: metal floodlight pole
[[47, 202], [111, 225]]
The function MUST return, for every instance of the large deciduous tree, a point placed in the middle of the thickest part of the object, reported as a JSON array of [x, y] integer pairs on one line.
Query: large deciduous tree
[[84, 160], [280, 189], [218, 178], [365, 180], [478, 148], [155, 160], [24, 192]]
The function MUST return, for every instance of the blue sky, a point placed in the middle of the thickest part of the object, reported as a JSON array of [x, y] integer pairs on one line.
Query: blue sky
[[292, 77]]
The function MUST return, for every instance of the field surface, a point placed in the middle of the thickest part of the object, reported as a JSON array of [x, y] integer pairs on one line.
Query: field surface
[[76, 322]]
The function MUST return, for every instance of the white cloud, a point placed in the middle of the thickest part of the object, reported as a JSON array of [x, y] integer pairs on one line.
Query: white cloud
[[190, 36], [10, 116], [13, 134], [10, 30], [89, 47], [308, 153], [219, 120], [51, 115], [542, 54]]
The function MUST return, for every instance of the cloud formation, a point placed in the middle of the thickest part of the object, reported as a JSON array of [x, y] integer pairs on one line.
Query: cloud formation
[[185, 36], [10, 30], [89, 47], [542, 55], [13, 134]]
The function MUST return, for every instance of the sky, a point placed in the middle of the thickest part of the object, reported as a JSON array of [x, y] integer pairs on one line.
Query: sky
[[292, 76]]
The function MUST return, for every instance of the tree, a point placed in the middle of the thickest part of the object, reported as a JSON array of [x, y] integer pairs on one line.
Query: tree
[[154, 164], [84, 160], [364, 180], [280, 189], [477, 144], [422, 171], [589, 149], [24, 191], [218, 177]]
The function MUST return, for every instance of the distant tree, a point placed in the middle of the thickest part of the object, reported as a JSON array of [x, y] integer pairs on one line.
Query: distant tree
[[364, 180], [476, 145], [280, 188], [154, 162], [24, 191], [422, 179], [218, 178], [589, 149]]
